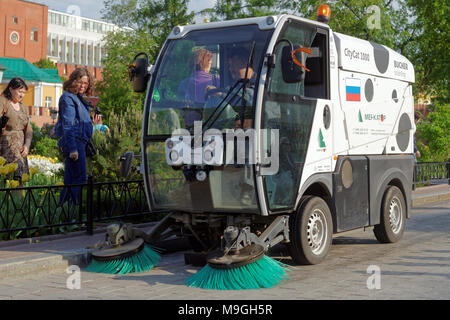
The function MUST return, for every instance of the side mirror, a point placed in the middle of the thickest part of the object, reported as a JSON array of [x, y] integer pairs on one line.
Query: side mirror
[[139, 74], [293, 70], [125, 164]]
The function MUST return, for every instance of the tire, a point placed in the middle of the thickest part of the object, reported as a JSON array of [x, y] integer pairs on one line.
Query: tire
[[393, 216], [311, 231]]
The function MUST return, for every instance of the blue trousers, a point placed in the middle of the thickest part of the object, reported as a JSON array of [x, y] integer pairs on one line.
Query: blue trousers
[[75, 172]]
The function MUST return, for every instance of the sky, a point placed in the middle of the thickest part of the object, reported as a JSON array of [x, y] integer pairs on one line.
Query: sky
[[91, 8]]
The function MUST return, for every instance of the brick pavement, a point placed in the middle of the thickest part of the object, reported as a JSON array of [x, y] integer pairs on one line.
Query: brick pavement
[[417, 267], [420, 260]]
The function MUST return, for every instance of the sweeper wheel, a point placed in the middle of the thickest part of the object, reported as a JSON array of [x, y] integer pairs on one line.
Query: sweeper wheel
[[119, 252], [245, 256]]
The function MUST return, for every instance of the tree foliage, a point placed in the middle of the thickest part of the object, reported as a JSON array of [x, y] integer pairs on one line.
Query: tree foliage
[[151, 22], [45, 64], [418, 29], [124, 135], [115, 90], [238, 9], [433, 139]]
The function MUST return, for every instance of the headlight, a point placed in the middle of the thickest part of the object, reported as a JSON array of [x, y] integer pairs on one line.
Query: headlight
[[208, 155], [201, 175], [174, 155]]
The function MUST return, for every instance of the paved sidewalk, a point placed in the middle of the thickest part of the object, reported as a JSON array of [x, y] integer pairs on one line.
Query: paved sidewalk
[[55, 253]]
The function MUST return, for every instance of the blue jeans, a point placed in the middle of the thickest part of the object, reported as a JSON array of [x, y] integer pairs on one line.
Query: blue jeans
[[75, 172]]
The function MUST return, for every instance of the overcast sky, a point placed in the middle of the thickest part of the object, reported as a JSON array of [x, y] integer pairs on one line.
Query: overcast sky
[[91, 8]]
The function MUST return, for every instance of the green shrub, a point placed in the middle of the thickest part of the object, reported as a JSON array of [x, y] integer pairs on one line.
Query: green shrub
[[47, 147], [124, 135]]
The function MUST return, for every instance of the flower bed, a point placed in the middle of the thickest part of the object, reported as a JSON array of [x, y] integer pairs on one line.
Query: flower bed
[[45, 165]]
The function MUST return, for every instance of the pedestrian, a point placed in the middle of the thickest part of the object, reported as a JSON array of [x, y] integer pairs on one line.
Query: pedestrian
[[74, 127], [16, 132], [97, 120]]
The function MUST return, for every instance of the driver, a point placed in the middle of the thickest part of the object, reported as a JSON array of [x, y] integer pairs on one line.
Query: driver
[[237, 66], [238, 69]]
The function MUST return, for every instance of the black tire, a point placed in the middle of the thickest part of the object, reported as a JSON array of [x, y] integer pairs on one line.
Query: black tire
[[310, 231], [392, 216]]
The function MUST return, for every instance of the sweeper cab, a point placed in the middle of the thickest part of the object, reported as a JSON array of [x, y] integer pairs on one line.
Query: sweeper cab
[[273, 130]]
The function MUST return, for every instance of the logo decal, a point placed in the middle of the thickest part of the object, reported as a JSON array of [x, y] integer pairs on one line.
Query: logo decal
[[321, 142]]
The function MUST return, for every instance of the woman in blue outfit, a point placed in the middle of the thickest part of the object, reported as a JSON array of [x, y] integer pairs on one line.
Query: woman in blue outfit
[[74, 127]]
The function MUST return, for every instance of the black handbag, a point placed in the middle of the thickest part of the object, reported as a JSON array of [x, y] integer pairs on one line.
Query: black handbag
[[3, 121], [91, 150]]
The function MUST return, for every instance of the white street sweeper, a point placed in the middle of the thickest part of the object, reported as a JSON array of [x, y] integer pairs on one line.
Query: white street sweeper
[[274, 130]]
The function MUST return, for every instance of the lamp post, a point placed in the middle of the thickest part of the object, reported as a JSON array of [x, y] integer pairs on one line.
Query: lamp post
[[53, 114]]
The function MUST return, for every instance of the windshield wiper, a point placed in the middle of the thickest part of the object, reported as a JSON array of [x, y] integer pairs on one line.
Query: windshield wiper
[[223, 103]]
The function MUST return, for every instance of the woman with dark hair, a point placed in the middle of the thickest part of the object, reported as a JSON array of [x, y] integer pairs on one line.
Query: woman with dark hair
[[16, 132], [74, 127]]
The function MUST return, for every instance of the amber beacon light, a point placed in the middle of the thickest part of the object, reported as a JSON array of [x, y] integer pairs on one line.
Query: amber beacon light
[[323, 14]]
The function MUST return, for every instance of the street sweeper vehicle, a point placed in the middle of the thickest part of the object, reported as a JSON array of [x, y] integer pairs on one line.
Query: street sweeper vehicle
[[272, 130]]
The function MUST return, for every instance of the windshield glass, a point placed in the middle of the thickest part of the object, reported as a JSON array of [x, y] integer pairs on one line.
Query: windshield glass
[[201, 77]]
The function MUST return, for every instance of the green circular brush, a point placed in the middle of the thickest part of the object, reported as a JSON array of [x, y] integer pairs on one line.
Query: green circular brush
[[133, 256], [247, 269]]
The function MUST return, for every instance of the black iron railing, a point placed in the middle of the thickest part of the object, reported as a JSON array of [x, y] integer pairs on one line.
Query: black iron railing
[[427, 173], [41, 207]]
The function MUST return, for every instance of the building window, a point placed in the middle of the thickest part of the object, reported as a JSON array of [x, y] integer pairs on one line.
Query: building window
[[54, 47], [34, 34], [60, 49], [15, 20], [48, 102]]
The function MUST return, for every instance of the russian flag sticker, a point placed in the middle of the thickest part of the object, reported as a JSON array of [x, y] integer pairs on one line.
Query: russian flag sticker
[[353, 89]]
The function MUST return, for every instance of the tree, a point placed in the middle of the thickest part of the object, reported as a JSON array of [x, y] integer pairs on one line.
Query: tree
[[433, 139], [418, 29], [157, 17], [238, 9], [152, 21], [431, 47], [45, 64], [115, 90]]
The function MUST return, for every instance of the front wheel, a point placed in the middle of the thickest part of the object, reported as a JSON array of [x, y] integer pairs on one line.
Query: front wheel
[[393, 216], [311, 231]]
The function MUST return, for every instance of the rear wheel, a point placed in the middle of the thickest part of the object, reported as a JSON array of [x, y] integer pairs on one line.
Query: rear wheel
[[393, 216], [311, 231]]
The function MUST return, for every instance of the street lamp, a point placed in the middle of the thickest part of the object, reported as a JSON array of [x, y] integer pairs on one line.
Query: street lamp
[[53, 114]]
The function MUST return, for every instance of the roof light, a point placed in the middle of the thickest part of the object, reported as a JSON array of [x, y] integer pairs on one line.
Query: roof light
[[323, 14], [270, 20], [176, 30]]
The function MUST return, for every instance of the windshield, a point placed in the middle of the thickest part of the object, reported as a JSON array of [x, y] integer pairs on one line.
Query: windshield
[[201, 78]]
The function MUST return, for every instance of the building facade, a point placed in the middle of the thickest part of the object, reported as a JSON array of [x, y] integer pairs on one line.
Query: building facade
[[23, 30], [74, 41]]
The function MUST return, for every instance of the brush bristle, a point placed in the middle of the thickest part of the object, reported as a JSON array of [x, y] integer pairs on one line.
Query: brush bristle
[[142, 261], [264, 273]]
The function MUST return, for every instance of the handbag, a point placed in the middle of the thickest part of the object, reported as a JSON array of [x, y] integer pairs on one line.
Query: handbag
[[91, 150], [3, 119]]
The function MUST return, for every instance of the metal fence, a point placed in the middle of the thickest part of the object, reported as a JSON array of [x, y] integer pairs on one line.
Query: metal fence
[[42, 207], [36, 208], [428, 173]]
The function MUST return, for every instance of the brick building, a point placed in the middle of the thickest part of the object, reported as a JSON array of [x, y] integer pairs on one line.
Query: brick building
[[23, 30]]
